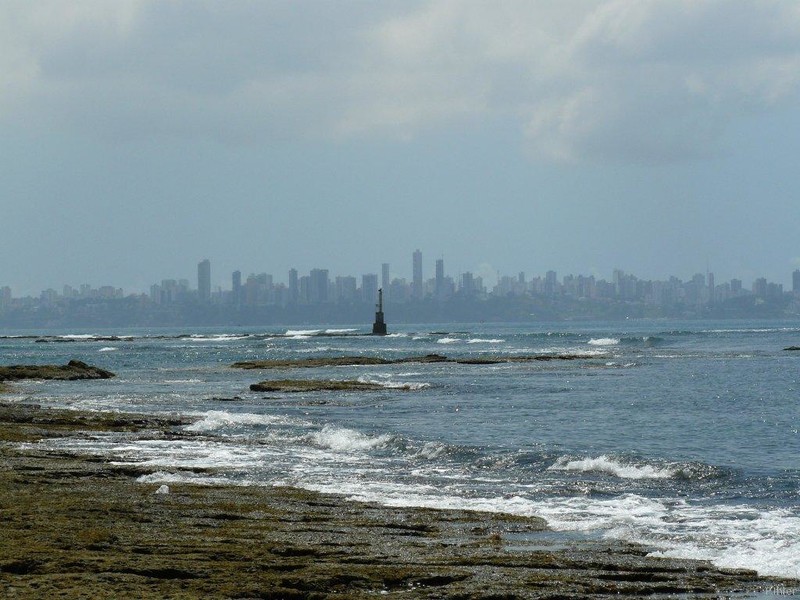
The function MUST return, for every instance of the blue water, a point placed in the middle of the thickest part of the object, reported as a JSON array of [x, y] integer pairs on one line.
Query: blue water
[[680, 435]]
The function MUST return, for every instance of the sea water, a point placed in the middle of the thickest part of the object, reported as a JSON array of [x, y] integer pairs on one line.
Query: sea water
[[679, 435]]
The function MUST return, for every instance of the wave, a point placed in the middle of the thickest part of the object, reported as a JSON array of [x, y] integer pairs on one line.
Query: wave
[[447, 340], [607, 341], [342, 439], [611, 466], [219, 419], [485, 341], [396, 385], [306, 332], [108, 349]]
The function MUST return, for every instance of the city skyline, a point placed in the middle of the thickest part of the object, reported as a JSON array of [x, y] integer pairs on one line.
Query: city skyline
[[139, 136], [418, 286]]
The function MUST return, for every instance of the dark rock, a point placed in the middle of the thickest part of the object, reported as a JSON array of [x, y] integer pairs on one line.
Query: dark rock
[[73, 370], [312, 385]]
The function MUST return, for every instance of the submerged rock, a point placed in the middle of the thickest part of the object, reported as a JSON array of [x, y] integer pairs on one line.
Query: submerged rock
[[314, 385], [355, 361], [73, 370]]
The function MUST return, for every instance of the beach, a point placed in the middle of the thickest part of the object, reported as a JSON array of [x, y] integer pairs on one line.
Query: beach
[[81, 527]]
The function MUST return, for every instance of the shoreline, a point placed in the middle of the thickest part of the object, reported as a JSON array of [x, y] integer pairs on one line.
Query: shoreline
[[80, 527]]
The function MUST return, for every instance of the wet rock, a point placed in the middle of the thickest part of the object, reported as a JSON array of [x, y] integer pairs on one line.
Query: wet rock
[[73, 370], [314, 385]]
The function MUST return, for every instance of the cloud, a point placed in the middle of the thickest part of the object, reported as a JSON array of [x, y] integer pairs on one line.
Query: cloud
[[606, 80]]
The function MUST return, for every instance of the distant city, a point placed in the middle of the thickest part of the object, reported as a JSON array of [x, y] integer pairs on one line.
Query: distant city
[[320, 298]]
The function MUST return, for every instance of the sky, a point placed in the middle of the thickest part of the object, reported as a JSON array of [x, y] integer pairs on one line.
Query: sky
[[139, 137]]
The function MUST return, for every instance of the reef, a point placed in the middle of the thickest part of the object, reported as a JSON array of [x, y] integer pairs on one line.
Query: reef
[[314, 385], [73, 370], [348, 361]]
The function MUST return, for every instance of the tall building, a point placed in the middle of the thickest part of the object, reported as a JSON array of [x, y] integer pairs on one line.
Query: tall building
[[318, 286], [385, 280], [236, 287], [439, 290], [712, 289], [369, 288], [416, 282], [204, 280], [294, 289], [796, 281]]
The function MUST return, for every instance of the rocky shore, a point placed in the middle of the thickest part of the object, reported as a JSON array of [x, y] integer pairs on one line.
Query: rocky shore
[[76, 527]]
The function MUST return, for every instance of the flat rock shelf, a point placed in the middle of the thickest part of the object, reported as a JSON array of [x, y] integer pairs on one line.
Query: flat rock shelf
[[79, 527]]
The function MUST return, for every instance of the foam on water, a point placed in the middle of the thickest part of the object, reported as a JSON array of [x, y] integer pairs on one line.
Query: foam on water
[[348, 440], [395, 385], [607, 341], [611, 466], [108, 349], [447, 340], [340, 331], [484, 341], [736, 537], [214, 420], [304, 332]]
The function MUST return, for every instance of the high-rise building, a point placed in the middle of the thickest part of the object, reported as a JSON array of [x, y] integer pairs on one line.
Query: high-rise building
[[439, 289], [294, 290], [712, 289], [204, 280], [416, 282], [318, 286], [369, 288], [796, 281], [236, 287], [385, 280]]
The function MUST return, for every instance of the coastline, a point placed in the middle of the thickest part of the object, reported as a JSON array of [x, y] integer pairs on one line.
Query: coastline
[[80, 527]]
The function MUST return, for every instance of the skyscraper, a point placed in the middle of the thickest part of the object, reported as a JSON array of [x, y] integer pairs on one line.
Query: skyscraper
[[369, 288], [416, 283], [204, 280], [796, 281], [385, 280], [236, 287], [440, 278], [318, 286], [294, 289]]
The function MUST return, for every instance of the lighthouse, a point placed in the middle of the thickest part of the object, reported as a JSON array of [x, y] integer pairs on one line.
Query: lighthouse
[[379, 326]]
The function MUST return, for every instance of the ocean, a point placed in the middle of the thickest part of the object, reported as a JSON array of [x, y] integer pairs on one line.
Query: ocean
[[679, 435]]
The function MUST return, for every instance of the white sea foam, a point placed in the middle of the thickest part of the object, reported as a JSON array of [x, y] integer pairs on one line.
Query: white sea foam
[[222, 337], [338, 331], [78, 336], [342, 439], [603, 341], [305, 332], [108, 349], [447, 340], [485, 341], [219, 419], [397, 335], [395, 385], [611, 466]]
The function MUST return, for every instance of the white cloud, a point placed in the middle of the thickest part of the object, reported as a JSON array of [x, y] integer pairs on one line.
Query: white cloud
[[656, 81]]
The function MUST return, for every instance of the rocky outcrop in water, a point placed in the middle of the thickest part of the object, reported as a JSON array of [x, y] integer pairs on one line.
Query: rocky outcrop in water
[[354, 361], [314, 385], [73, 370]]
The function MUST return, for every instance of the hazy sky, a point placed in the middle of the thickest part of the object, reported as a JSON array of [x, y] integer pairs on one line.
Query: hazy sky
[[139, 137]]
